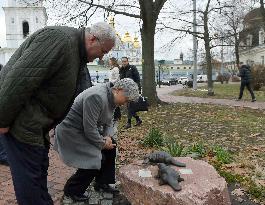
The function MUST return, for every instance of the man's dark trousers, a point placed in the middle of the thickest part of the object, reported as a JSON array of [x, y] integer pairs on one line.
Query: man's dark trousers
[[242, 87], [3, 155], [29, 165]]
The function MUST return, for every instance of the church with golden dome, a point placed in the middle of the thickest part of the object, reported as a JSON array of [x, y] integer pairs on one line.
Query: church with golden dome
[[126, 46]]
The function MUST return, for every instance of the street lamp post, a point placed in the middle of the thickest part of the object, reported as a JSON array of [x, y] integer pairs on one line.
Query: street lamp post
[[195, 47], [159, 81], [222, 55], [160, 62], [157, 77], [97, 76]]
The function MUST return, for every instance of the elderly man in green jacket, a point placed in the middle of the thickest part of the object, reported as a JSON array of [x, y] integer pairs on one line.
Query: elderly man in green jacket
[[37, 88]]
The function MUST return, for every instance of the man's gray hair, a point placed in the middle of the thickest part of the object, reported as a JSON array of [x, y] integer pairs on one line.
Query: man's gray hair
[[103, 31], [130, 88]]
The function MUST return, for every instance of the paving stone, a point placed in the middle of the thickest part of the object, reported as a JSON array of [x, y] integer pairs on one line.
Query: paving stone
[[95, 197], [106, 202], [107, 195], [164, 95]]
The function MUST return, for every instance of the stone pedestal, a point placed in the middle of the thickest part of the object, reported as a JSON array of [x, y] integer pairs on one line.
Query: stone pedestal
[[202, 185]]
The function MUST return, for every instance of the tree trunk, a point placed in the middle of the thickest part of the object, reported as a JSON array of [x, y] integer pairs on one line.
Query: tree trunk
[[148, 65], [208, 51], [149, 85], [209, 67], [237, 50], [262, 10]]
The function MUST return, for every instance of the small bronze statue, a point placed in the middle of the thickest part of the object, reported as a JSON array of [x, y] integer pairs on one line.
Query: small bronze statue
[[168, 175], [162, 157]]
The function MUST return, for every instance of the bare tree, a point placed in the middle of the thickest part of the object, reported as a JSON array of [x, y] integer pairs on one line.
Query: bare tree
[[208, 12], [232, 23], [146, 11], [262, 9]]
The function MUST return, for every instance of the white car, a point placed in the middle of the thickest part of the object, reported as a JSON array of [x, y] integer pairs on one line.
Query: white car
[[183, 80], [201, 78]]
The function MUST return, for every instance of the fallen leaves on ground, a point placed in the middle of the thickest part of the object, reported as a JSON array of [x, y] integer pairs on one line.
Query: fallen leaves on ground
[[241, 130]]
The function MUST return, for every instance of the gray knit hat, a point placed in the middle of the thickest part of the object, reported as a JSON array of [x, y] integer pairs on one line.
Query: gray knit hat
[[130, 88]]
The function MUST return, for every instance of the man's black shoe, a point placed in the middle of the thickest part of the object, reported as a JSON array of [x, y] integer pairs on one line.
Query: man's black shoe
[[127, 126], [105, 188], [138, 123], [253, 100], [79, 198], [4, 162]]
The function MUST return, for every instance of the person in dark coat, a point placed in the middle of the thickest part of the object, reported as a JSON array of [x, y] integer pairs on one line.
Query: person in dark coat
[[246, 80], [37, 88], [3, 155], [84, 139], [130, 71]]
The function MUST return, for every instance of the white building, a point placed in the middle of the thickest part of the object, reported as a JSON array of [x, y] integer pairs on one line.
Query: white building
[[252, 39], [126, 46], [21, 19]]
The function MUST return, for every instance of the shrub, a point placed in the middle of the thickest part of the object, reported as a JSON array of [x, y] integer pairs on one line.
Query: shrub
[[223, 77], [220, 78], [258, 76], [235, 78], [222, 155], [196, 149], [174, 149], [153, 139]]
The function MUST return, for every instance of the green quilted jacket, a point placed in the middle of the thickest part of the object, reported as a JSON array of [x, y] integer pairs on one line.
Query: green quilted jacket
[[39, 82]]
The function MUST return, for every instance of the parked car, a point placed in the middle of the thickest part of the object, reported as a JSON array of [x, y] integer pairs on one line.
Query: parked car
[[169, 81], [183, 80], [173, 81], [165, 82], [201, 78]]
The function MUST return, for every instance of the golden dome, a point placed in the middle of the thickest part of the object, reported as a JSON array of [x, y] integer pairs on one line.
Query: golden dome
[[127, 38], [136, 43]]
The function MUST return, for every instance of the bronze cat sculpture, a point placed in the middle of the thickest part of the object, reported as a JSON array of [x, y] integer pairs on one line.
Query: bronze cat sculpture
[[168, 175], [162, 157]]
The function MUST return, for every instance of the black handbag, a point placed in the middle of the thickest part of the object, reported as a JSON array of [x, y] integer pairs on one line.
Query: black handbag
[[140, 105]]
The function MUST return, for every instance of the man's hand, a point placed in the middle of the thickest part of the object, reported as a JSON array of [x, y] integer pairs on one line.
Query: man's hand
[[108, 143], [4, 130]]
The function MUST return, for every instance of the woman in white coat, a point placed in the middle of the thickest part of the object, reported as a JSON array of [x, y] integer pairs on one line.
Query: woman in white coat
[[114, 74]]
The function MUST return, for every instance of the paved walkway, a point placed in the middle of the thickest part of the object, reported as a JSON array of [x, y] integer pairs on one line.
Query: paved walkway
[[59, 173], [164, 95]]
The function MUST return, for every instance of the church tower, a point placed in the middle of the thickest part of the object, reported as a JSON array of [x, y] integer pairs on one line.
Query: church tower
[[23, 18]]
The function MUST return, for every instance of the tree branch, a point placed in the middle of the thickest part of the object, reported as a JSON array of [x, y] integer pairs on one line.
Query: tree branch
[[158, 4], [186, 21], [197, 34], [111, 10], [127, 5]]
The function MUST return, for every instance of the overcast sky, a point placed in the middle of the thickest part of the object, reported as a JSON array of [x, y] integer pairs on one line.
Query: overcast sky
[[123, 24]]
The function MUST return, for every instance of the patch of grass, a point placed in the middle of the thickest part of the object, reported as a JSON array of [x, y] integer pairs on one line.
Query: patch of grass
[[197, 149], [153, 139], [174, 149], [222, 155], [256, 191], [222, 91], [231, 178]]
